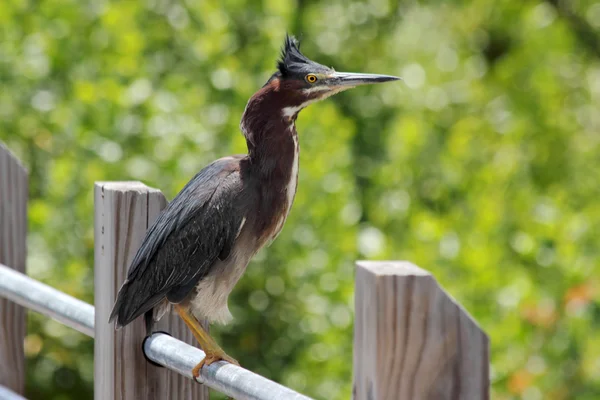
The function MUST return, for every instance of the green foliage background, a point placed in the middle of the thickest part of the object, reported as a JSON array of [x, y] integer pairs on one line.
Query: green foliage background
[[484, 167]]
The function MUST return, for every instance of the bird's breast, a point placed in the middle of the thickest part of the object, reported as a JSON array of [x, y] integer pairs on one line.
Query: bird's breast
[[210, 297]]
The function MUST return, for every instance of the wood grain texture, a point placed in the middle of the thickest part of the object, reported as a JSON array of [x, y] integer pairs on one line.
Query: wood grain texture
[[123, 213], [412, 340], [13, 235]]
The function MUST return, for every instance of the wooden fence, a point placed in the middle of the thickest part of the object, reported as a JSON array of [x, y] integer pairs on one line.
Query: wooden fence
[[411, 339]]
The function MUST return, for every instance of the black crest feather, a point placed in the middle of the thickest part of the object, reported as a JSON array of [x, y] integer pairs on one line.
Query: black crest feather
[[292, 61]]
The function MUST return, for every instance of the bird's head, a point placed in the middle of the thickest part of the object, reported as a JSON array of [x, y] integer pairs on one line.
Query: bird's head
[[297, 83], [302, 81]]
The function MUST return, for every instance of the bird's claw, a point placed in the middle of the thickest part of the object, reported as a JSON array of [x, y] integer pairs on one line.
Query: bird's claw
[[211, 358]]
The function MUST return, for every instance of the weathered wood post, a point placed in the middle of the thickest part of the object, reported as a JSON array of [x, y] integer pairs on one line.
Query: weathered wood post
[[123, 213], [412, 340], [14, 189]]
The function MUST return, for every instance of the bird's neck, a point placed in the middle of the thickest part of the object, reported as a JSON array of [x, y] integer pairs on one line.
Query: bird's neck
[[273, 152], [268, 124], [271, 138]]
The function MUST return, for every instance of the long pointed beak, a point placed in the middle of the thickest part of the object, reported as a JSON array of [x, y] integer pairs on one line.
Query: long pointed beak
[[354, 79]]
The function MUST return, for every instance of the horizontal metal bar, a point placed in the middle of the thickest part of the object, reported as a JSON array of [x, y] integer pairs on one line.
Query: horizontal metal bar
[[165, 350], [7, 394], [230, 379], [44, 299]]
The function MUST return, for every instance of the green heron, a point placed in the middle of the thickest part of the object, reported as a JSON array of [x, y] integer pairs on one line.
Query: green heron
[[199, 246]]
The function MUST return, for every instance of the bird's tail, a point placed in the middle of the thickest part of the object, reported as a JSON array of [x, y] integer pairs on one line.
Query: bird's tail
[[130, 304], [116, 315]]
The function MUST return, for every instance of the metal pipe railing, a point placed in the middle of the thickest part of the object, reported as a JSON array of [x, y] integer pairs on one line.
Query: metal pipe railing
[[7, 394], [162, 349], [229, 379], [46, 300]]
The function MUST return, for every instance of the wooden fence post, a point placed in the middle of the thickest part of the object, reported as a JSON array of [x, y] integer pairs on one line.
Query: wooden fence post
[[123, 213], [412, 340], [13, 232]]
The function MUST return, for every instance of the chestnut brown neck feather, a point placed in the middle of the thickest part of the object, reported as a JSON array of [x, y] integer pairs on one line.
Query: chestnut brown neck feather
[[270, 135], [272, 153]]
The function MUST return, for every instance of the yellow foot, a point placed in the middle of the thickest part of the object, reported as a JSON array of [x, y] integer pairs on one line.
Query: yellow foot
[[211, 358]]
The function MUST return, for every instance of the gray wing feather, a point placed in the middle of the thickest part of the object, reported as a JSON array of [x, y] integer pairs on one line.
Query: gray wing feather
[[197, 227]]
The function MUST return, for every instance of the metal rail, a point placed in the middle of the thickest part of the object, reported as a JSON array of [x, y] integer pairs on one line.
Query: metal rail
[[7, 394], [162, 349], [46, 300], [230, 379]]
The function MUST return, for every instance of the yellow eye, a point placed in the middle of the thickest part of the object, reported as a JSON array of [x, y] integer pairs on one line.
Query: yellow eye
[[311, 78]]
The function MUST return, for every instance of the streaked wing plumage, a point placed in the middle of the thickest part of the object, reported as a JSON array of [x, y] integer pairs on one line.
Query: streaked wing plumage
[[197, 227]]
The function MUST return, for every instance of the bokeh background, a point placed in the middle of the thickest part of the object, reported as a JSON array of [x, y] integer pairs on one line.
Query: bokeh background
[[483, 167]]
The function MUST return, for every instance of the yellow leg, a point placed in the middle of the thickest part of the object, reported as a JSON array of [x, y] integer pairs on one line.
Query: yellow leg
[[213, 351]]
